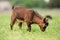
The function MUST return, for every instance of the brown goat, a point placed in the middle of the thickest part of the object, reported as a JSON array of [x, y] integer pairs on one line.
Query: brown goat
[[29, 16]]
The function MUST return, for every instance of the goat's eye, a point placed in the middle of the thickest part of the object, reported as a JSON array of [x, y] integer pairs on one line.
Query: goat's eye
[[47, 24]]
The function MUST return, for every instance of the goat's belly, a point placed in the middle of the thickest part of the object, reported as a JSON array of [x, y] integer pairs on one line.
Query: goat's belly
[[18, 20]]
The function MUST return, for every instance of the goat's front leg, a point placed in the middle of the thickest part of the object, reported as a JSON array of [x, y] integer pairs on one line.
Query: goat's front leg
[[13, 19]]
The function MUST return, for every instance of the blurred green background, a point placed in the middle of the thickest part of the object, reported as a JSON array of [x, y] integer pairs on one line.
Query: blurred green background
[[52, 32], [37, 3]]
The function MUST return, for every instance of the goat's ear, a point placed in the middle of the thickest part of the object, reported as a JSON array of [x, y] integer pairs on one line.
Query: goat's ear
[[48, 16]]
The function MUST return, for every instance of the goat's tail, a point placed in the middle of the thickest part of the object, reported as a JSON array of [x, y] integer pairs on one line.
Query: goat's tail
[[13, 7]]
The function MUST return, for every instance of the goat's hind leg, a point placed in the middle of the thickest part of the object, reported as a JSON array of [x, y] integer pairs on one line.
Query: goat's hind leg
[[29, 27]]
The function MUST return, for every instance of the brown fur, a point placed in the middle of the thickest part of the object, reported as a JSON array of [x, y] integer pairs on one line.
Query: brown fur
[[29, 16]]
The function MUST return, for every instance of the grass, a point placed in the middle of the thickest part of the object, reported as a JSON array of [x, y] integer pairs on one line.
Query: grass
[[52, 32]]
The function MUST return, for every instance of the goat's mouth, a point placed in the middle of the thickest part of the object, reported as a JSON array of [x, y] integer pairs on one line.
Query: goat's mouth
[[43, 29]]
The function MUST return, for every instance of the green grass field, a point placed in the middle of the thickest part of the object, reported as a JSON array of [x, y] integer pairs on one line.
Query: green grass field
[[52, 32]]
